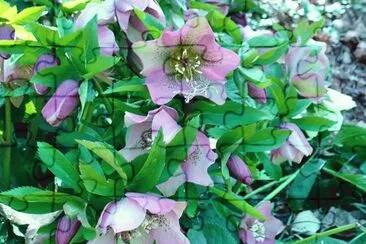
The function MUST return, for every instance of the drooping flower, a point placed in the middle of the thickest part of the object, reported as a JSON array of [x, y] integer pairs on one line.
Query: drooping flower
[[6, 33], [306, 67], [43, 62], [187, 62], [254, 231], [62, 103], [121, 10], [193, 169], [143, 218], [66, 229], [295, 147], [141, 130], [257, 93], [239, 170]]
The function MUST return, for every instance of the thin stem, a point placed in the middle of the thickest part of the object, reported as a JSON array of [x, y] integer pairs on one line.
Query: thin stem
[[86, 115], [265, 187], [33, 131], [237, 186], [328, 233], [228, 185], [107, 102], [8, 143]]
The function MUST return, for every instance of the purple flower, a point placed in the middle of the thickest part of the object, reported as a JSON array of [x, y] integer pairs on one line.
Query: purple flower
[[253, 231], [239, 18], [294, 149], [307, 67], [259, 94], [43, 62], [144, 218], [6, 33], [193, 169], [239, 170], [187, 62], [66, 229], [107, 41], [141, 130], [62, 103]]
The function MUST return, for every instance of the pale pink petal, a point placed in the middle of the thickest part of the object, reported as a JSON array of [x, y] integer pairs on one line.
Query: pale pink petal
[[155, 204], [104, 12], [195, 30], [169, 187], [107, 238], [200, 158], [170, 127], [123, 19], [123, 215], [107, 41], [297, 139]]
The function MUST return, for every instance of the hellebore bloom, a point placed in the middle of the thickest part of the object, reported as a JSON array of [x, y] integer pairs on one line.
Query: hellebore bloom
[[294, 149], [257, 93], [306, 67], [141, 130], [6, 33], [66, 229], [105, 15], [144, 218], [193, 169], [187, 62], [253, 231], [43, 62], [239, 170], [62, 103]]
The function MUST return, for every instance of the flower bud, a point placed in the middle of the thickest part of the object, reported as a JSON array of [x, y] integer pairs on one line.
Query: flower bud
[[6, 33], [294, 149], [259, 94], [66, 229], [43, 62], [62, 103], [239, 170]]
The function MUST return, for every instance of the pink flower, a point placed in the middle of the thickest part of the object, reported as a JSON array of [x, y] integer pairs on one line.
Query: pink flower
[[144, 218], [62, 103], [294, 149], [141, 130], [193, 169], [239, 170], [66, 229], [307, 67], [43, 62], [253, 231], [187, 62]]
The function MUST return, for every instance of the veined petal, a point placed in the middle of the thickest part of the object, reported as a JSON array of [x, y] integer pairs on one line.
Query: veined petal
[[197, 31], [170, 127], [66, 229], [200, 158], [297, 139], [107, 41]]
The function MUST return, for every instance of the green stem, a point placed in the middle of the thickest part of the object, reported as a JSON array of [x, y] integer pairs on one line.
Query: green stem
[[107, 102], [85, 116], [32, 137], [237, 186], [265, 187], [228, 185], [8, 144], [328, 233]]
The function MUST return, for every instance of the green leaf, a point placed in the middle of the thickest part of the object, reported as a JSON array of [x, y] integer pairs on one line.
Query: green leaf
[[229, 114], [273, 170], [148, 176], [74, 5], [306, 31], [256, 76], [154, 26], [30, 14], [124, 86], [219, 22], [98, 184], [303, 183], [109, 155], [59, 165], [36, 201], [86, 93], [265, 140], [352, 138], [314, 123], [238, 202], [357, 180]]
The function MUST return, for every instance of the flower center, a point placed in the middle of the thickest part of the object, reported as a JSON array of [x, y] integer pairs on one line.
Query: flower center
[[154, 221], [258, 231], [146, 139], [186, 63]]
